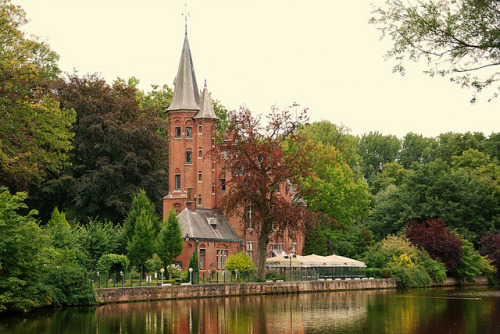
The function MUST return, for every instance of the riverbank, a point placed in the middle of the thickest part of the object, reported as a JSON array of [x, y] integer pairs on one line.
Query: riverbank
[[166, 292]]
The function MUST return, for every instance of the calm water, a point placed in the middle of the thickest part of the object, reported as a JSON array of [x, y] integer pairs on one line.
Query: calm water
[[416, 311]]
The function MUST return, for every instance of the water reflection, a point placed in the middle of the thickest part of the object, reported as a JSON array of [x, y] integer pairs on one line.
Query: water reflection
[[417, 311]]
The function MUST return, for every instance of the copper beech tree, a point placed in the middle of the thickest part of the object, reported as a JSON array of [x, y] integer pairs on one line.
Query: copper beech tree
[[256, 165]]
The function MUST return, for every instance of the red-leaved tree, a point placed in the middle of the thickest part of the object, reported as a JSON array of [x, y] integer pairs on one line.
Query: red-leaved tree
[[491, 248], [256, 165], [439, 241]]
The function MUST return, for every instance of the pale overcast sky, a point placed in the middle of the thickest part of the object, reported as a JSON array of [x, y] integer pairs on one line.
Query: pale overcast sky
[[322, 54]]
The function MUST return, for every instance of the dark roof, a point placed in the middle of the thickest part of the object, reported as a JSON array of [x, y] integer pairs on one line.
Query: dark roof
[[207, 225], [186, 95]]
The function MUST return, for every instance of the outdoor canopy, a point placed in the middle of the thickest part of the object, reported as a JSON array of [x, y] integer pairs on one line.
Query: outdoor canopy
[[314, 261]]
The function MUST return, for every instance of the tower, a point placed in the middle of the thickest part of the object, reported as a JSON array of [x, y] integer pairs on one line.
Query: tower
[[191, 129]]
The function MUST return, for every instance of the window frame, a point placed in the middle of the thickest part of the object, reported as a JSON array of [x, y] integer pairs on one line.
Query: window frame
[[189, 132], [189, 157]]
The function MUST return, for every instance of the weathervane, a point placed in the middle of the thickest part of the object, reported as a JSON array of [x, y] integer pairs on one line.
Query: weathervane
[[186, 15]]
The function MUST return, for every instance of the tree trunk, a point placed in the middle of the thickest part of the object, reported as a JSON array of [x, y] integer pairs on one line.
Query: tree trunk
[[263, 241]]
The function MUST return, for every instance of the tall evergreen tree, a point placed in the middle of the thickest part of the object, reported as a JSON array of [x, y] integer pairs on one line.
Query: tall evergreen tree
[[141, 246], [140, 205], [170, 243]]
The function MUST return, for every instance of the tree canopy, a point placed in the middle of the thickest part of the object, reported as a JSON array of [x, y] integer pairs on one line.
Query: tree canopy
[[259, 173], [35, 131], [118, 149], [454, 38]]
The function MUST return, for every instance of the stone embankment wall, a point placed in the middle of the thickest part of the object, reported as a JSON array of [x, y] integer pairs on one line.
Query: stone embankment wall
[[457, 282], [118, 295]]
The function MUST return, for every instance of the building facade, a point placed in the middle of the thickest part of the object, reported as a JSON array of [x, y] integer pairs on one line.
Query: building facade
[[195, 184]]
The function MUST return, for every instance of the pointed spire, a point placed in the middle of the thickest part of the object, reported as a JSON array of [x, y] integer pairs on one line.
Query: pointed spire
[[186, 95], [206, 107]]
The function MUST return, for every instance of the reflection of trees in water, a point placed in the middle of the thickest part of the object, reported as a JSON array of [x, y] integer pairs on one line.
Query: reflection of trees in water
[[249, 314], [386, 311]]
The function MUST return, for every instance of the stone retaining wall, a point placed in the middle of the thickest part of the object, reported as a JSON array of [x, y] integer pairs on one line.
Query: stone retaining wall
[[456, 282], [118, 295]]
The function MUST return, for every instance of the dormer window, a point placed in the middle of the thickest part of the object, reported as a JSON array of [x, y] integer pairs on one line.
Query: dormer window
[[212, 222]]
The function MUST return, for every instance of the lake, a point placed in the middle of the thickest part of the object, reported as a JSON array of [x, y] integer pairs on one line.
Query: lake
[[435, 310]]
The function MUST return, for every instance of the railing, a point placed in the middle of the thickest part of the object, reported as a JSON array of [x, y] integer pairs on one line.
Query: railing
[[112, 280], [317, 273]]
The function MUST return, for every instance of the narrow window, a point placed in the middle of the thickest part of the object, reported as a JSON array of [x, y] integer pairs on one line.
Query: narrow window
[[189, 157], [177, 132], [213, 188], [199, 177], [221, 258], [213, 142], [250, 249], [213, 165], [199, 200], [189, 132], [248, 215], [200, 153], [222, 184], [202, 258], [177, 181], [200, 129]]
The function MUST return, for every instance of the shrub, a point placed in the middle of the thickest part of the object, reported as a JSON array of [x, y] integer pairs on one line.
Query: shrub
[[473, 264], [70, 285], [153, 264], [112, 262], [174, 271], [410, 266], [240, 261], [439, 241], [272, 275]]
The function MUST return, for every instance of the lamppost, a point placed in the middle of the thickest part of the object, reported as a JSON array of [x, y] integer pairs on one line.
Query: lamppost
[[191, 276], [162, 271]]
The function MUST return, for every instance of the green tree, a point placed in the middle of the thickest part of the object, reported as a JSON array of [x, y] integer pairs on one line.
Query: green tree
[[454, 144], [22, 257], [465, 198], [99, 237], [338, 136], [193, 262], [416, 148], [170, 243], [392, 173], [315, 241], [376, 150], [335, 191], [140, 205], [141, 246], [454, 38], [35, 132]]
